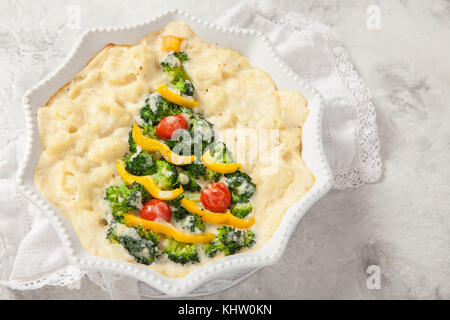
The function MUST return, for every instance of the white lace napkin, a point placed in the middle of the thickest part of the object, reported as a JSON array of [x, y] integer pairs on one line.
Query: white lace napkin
[[30, 253]]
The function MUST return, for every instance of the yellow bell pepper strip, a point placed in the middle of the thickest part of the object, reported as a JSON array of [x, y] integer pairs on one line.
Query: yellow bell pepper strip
[[175, 97], [132, 220], [215, 166], [217, 218], [149, 184], [171, 43], [150, 144]]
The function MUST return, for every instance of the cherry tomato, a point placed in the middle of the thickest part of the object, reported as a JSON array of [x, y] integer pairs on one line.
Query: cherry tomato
[[169, 124], [216, 197], [156, 208]]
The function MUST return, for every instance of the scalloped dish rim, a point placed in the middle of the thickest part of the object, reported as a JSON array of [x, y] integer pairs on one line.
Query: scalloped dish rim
[[313, 155]]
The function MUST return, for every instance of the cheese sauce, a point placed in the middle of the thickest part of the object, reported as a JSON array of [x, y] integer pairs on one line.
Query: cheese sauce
[[84, 129]]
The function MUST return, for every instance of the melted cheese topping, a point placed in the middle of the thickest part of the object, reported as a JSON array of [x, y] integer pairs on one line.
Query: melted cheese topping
[[84, 129]]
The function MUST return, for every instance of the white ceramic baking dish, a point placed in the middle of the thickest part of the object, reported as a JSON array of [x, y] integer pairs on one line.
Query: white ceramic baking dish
[[258, 49]]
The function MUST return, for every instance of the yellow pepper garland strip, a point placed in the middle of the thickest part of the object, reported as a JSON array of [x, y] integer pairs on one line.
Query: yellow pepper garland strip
[[175, 97], [217, 218], [171, 43], [211, 163], [149, 184], [150, 144], [132, 220]]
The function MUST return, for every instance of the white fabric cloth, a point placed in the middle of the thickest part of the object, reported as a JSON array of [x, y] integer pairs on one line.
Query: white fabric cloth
[[31, 255]]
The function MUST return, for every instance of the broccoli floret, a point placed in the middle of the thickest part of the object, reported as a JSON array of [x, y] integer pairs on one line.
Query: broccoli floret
[[198, 170], [147, 234], [147, 114], [241, 186], [143, 250], [220, 153], [180, 81], [142, 244], [241, 209], [175, 59], [131, 143], [178, 211], [181, 252], [189, 182], [211, 175], [171, 143], [149, 130], [182, 57], [139, 164], [173, 66], [185, 87], [124, 198], [176, 73], [193, 222], [201, 129], [165, 175], [156, 108], [210, 249], [187, 111], [202, 132], [193, 172], [182, 145], [188, 221], [229, 241]]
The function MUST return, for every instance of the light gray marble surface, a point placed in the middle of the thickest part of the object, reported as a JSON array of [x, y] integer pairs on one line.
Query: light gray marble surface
[[401, 224]]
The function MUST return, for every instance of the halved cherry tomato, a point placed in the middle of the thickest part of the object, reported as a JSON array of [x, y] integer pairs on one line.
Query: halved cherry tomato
[[156, 208], [169, 124], [216, 197]]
